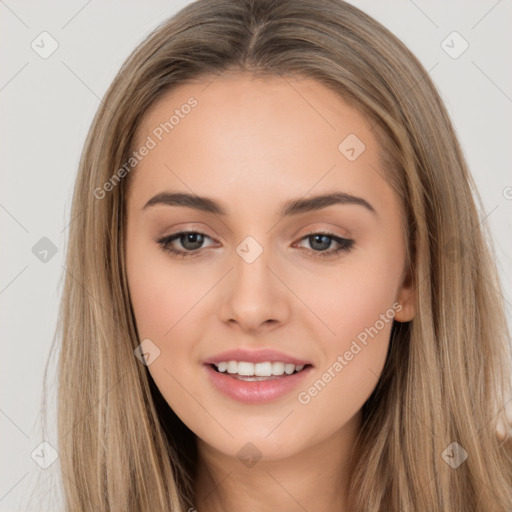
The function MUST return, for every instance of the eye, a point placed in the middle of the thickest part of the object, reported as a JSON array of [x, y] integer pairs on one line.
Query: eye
[[191, 241], [320, 243]]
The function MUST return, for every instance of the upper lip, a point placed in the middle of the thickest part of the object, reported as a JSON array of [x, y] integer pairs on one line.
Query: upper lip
[[255, 356]]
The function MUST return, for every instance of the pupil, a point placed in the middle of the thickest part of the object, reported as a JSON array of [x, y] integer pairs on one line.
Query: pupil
[[327, 241], [192, 238]]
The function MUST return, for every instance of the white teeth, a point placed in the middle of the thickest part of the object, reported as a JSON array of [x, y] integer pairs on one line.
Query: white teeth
[[232, 367], [265, 369], [245, 368], [289, 368], [277, 368]]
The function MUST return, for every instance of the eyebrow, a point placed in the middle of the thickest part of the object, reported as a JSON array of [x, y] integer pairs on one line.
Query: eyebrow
[[291, 207]]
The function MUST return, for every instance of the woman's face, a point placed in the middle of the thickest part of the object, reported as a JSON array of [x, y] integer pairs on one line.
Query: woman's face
[[248, 156]]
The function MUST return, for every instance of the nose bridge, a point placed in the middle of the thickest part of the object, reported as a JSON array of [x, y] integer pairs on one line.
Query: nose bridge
[[255, 295], [252, 263], [251, 273]]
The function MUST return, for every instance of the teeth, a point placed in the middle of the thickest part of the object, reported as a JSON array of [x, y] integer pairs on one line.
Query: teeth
[[265, 369], [245, 368], [277, 368], [289, 368], [232, 367]]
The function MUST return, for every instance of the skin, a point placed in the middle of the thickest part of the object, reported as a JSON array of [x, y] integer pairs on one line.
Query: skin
[[253, 144]]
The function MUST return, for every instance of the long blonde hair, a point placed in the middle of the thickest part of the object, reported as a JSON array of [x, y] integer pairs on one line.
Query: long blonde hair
[[446, 378]]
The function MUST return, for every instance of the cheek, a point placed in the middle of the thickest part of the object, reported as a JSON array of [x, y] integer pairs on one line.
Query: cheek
[[157, 307], [350, 298], [161, 294], [164, 301], [357, 304], [353, 358]]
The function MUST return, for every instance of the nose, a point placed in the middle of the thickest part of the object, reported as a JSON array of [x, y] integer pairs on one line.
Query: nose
[[254, 297]]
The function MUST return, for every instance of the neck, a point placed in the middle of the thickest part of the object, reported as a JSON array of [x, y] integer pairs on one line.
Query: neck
[[315, 478]]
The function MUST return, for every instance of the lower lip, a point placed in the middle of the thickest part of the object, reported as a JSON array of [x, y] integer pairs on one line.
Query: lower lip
[[255, 392]]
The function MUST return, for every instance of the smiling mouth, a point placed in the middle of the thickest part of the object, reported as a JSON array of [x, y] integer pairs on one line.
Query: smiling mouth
[[255, 372]]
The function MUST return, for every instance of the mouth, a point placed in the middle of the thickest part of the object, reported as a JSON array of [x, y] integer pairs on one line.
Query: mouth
[[256, 383], [257, 372]]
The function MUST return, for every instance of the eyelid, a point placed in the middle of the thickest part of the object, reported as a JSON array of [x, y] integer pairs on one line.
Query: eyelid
[[344, 243], [320, 227], [176, 235], [180, 229]]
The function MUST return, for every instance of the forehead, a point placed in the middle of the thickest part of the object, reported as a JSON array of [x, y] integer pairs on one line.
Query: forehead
[[246, 135]]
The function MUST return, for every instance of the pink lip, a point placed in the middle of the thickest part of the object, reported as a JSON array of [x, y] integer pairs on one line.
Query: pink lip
[[255, 356], [255, 392]]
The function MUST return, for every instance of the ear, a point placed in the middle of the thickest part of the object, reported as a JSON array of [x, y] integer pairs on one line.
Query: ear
[[406, 297], [504, 423]]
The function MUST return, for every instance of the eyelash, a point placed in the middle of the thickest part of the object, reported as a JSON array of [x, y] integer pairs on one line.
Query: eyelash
[[346, 244]]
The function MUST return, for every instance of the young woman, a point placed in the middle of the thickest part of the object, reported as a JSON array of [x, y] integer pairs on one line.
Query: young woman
[[279, 294]]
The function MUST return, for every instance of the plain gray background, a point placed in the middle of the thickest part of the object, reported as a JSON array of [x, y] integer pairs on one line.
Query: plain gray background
[[47, 106]]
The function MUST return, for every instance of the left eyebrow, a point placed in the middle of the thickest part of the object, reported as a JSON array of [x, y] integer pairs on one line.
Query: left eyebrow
[[291, 207]]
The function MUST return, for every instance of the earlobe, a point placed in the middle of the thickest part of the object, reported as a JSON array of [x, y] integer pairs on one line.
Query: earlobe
[[406, 314], [406, 311]]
